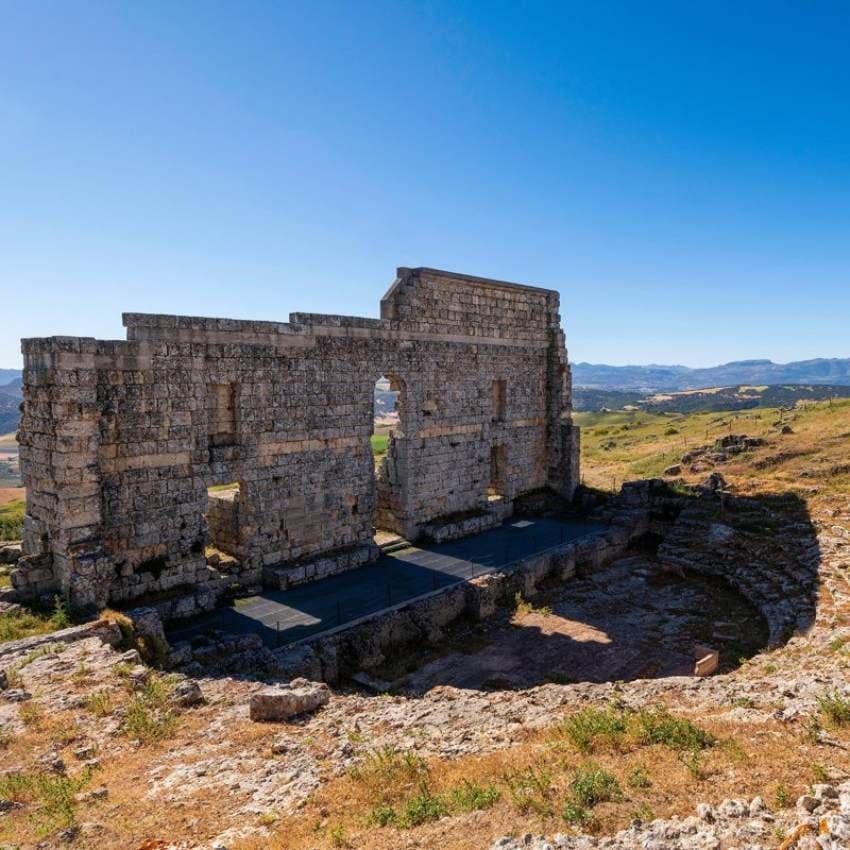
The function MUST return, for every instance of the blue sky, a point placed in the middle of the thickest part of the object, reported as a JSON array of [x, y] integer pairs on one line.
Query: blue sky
[[679, 171]]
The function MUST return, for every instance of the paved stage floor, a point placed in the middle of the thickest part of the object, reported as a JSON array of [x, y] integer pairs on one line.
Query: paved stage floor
[[284, 616]]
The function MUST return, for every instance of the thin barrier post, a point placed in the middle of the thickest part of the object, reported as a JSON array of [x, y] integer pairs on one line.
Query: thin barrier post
[[389, 595], [338, 613]]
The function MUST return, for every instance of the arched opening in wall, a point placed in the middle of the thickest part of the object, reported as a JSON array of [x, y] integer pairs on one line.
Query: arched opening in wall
[[387, 431], [223, 521]]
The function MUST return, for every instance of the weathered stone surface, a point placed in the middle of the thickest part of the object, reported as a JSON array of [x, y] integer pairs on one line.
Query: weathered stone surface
[[187, 694], [104, 630], [10, 553], [285, 701], [120, 441]]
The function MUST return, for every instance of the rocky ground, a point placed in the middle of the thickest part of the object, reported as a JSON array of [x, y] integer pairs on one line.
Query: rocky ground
[[100, 750]]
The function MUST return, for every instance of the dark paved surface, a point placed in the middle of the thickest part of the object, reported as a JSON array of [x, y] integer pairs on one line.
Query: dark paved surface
[[283, 616]]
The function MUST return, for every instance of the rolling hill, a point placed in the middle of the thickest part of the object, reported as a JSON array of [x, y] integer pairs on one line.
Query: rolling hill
[[821, 371], [739, 397]]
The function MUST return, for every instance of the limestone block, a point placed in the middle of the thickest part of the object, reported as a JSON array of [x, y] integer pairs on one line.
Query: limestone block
[[285, 701]]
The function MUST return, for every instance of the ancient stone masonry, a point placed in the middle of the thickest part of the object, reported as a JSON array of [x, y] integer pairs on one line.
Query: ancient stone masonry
[[120, 440]]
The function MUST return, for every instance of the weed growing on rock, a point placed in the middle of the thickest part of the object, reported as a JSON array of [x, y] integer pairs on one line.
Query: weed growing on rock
[[524, 607], [51, 795], [148, 716], [835, 708], [591, 726], [596, 728], [99, 703], [470, 796], [677, 733], [422, 807], [387, 773], [31, 715], [531, 789]]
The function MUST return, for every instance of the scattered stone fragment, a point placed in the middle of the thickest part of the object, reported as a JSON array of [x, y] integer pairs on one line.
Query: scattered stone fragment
[[187, 694], [17, 695]]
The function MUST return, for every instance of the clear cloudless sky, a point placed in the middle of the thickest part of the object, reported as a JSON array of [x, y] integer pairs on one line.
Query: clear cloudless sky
[[679, 171]]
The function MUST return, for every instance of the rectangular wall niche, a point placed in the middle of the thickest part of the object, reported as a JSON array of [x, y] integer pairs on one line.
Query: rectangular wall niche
[[221, 414], [498, 392], [498, 472]]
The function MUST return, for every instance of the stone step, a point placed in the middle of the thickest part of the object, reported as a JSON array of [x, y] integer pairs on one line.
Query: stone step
[[394, 545]]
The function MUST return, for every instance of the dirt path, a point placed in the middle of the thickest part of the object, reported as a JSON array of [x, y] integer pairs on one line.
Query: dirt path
[[11, 494]]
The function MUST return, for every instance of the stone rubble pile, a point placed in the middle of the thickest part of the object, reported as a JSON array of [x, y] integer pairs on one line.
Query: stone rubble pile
[[820, 821]]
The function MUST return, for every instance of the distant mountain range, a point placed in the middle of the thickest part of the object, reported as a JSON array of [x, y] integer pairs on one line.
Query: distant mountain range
[[654, 378], [11, 393]]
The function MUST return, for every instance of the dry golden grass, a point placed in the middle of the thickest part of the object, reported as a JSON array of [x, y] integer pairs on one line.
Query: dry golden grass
[[11, 494], [746, 762]]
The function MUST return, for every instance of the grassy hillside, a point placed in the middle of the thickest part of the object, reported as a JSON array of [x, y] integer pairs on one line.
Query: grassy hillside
[[739, 397], [12, 520], [626, 445]]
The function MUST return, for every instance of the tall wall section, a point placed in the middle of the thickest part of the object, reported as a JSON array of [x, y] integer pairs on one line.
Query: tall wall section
[[120, 440]]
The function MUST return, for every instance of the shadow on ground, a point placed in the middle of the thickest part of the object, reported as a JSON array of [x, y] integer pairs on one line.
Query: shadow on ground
[[736, 574]]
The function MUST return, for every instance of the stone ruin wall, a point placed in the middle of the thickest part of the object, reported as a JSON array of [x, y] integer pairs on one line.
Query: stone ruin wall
[[119, 440]]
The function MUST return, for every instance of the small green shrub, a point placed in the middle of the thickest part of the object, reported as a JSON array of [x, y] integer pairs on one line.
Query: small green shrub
[[148, 716], [590, 726], [820, 773], [576, 814], [338, 836], [422, 808], [389, 774], [643, 813], [691, 760], [51, 795], [61, 616], [383, 815], [838, 643], [470, 796], [835, 708], [530, 789], [31, 715], [524, 607], [638, 778], [592, 784], [99, 703], [660, 727]]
